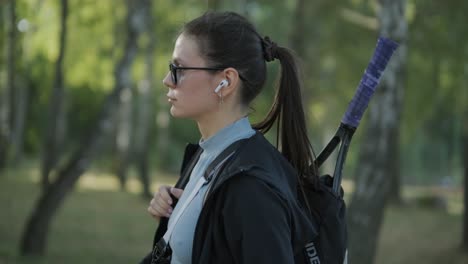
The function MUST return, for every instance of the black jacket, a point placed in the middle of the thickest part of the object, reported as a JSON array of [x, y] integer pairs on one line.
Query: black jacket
[[251, 212]]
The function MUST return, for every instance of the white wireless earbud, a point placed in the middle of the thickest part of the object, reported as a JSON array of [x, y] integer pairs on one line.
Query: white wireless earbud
[[221, 85]]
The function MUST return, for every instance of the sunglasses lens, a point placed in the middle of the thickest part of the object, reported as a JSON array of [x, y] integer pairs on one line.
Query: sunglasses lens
[[172, 69]]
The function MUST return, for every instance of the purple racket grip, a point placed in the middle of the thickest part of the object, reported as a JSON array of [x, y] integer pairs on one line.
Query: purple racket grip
[[382, 54]]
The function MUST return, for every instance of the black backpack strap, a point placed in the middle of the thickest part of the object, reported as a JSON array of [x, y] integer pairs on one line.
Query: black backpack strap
[[220, 161]]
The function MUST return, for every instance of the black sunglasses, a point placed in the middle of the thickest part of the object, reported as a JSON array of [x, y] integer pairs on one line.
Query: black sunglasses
[[174, 68]]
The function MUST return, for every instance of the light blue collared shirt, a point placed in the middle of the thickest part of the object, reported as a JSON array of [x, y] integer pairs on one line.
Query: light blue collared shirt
[[181, 240]]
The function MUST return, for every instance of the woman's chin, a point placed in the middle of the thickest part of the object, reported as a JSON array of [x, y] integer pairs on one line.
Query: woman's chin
[[177, 113], [174, 112]]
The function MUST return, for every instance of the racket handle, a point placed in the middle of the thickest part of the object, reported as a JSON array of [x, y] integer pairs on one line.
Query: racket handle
[[382, 54]]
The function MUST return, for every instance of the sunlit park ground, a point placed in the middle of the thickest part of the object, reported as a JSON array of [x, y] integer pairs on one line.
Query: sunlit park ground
[[100, 224]]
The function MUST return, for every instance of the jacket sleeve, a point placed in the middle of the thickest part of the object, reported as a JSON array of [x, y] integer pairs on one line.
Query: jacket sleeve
[[256, 222]]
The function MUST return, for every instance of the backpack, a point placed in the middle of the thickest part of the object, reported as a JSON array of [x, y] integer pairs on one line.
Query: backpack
[[325, 208], [327, 211]]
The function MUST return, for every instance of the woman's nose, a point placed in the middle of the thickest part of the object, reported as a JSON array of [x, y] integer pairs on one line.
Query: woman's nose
[[167, 81]]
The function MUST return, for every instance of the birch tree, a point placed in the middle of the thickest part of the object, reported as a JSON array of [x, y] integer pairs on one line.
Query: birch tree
[[34, 237], [7, 114], [378, 159], [56, 116], [465, 161], [145, 109]]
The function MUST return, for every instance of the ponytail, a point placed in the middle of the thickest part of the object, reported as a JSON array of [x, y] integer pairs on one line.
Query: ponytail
[[288, 113]]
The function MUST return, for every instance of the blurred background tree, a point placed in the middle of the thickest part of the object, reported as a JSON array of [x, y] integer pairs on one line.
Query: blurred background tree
[[378, 167], [81, 93]]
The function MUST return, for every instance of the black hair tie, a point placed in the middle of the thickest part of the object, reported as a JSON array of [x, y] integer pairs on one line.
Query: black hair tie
[[270, 49]]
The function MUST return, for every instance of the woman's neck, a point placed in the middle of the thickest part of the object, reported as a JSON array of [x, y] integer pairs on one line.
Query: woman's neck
[[210, 125]]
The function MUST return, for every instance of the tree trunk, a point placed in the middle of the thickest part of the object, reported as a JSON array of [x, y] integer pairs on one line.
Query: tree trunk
[[307, 47], [34, 237], [394, 195], [374, 171], [123, 134], [144, 119], [163, 138], [4, 102], [11, 85], [51, 150], [465, 164], [8, 113], [3, 141], [145, 105], [297, 43], [465, 189], [20, 119]]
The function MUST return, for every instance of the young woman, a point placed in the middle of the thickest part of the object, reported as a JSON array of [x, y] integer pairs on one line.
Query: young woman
[[238, 195]]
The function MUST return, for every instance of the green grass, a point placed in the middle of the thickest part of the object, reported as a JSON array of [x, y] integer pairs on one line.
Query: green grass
[[99, 224], [418, 235], [94, 225], [422, 231]]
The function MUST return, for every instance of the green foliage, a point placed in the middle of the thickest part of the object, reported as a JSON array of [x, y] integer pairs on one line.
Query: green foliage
[[94, 41], [339, 38]]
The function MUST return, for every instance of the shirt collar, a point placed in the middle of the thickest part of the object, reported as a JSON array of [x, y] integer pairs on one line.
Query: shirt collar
[[226, 136]]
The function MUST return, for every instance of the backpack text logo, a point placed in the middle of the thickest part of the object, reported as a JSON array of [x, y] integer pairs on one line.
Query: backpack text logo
[[312, 253]]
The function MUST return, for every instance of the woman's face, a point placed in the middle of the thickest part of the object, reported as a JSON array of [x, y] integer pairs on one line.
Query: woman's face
[[193, 96]]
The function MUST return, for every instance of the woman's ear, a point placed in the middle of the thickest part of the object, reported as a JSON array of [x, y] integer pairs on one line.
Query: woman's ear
[[231, 76]]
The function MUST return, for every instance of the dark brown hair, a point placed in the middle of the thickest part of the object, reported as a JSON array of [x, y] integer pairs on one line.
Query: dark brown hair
[[227, 39]]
